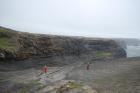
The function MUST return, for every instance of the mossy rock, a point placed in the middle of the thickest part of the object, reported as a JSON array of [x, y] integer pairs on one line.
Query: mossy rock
[[69, 86], [74, 87]]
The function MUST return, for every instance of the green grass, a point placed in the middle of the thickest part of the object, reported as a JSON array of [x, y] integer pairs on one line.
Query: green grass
[[103, 54], [68, 87], [3, 30], [5, 43], [74, 85], [5, 39]]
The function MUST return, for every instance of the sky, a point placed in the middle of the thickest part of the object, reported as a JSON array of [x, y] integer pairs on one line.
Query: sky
[[89, 18]]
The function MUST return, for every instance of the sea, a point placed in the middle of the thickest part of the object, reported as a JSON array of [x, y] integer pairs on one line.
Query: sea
[[133, 51]]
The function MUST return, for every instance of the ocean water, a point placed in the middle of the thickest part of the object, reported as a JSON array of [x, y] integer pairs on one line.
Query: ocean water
[[133, 51]]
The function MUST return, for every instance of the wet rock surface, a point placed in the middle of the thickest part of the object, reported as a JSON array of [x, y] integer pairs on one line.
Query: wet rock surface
[[113, 76]]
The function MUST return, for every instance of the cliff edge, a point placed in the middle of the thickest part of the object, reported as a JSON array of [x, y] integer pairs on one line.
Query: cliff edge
[[21, 45]]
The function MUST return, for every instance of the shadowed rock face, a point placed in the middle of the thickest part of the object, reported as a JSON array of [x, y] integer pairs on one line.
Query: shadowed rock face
[[27, 45]]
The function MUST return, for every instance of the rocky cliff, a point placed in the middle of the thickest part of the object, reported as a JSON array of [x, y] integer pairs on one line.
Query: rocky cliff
[[19, 45]]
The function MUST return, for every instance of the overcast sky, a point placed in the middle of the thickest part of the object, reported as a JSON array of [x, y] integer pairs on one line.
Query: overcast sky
[[93, 18]]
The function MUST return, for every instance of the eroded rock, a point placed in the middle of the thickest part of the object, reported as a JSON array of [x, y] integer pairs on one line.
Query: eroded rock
[[28, 45]]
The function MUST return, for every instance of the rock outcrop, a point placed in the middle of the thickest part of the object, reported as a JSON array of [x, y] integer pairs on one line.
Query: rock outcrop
[[21, 45]]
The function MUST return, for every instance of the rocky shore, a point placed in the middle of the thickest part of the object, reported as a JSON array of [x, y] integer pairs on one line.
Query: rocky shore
[[22, 55]]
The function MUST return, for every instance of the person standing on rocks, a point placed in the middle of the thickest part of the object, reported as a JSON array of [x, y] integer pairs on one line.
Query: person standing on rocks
[[87, 66], [45, 69]]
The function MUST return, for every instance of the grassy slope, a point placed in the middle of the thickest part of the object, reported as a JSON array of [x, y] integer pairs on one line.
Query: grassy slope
[[6, 39], [5, 43]]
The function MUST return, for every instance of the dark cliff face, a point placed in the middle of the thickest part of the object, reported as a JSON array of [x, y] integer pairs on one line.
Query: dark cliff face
[[26, 45]]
